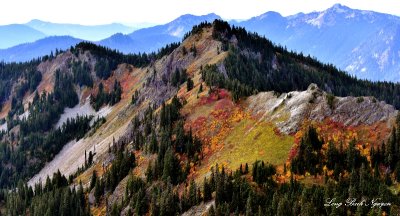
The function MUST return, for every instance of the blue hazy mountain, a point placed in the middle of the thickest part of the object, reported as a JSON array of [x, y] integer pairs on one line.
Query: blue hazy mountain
[[15, 34], [28, 51], [152, 38], [364, 43], [92, 33], [143, 40]]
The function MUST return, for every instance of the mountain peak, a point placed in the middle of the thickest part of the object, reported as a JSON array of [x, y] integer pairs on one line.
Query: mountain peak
[[211, 15], [328, 16], [339, 8], [35, 21], [270, 14], [206, 17], [183, 24]]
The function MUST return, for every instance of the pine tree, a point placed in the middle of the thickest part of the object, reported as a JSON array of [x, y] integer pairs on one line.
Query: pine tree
[[176, 78], [114, 210], [90, 159], [171, 167], [332, 155], [193, 50], [206, 190], [283, 209], [153, 143], [397, 172], [189, 84], [98, 191], [193, 200], [249, 205], [93, 180], [141, 203], [260, 212]]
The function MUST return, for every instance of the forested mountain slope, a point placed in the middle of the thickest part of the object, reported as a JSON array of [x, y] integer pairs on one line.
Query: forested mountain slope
[[224, 122]]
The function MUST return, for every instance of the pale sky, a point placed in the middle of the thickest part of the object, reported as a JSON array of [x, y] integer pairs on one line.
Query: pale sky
[[91, 12]]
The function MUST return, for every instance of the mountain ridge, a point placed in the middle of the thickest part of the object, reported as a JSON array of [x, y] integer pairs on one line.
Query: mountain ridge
[[15, 34], [198, 114], [153, 38], [28, 51], [325, 35], [84, 32], [148, 40]]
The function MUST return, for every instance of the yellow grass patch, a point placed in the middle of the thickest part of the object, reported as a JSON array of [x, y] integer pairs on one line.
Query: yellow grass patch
[[249, 141]]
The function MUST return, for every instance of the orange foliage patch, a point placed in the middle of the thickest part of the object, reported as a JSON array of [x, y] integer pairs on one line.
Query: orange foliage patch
[[366, 136], [127, 80], [198, 123], [337, 132]]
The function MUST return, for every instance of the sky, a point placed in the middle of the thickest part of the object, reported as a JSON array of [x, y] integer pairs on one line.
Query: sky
[[133, 12]]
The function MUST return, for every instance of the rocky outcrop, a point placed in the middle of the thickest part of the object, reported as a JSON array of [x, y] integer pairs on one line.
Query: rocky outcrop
[[199, 210], [289, 110]]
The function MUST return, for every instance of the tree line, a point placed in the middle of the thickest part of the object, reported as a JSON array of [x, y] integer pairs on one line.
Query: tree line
[[257, 64], [102, 97]]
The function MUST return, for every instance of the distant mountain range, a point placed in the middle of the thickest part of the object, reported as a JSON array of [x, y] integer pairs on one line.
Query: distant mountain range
[[142, 40], [28, 51], [14, 34], [153, 38], [364, 43], [92, 33]]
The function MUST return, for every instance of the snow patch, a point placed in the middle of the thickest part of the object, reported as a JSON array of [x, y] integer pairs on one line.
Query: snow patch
[[58, 160], [177, 32], [72, 154], [352, 15], [384, 58], [355, 49], [103, 112], [78, 110], [3, 127], [24, 115], [318, 21], [364, 12], [82, 110], [351, 67], [338, 8]]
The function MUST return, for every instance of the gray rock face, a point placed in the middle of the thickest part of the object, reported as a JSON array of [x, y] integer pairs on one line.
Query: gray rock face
[[289, 110], [199, 210]]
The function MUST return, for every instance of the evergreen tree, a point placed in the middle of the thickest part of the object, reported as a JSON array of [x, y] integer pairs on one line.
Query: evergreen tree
[[171, 168], [93, 180], [249, 205], [189, 84], [98, 191]]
